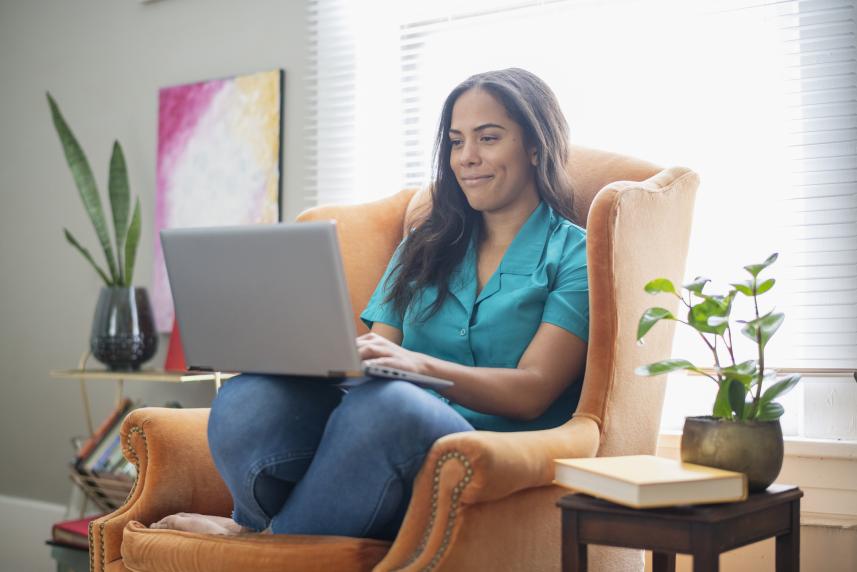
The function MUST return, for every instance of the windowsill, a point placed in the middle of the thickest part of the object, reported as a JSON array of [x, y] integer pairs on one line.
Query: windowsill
[[823, 468], [794, 446]]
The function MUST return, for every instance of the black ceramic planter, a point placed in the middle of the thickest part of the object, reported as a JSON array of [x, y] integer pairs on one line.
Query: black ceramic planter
[[123, 329], [751, 447]]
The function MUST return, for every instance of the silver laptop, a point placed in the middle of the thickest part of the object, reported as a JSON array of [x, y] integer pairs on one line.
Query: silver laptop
[[268, 299]]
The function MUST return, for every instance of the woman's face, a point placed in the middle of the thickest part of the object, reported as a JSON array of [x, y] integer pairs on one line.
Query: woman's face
[[488, 156]]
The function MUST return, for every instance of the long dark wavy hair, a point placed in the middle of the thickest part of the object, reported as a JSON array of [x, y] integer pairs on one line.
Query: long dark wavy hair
[[434, 248]]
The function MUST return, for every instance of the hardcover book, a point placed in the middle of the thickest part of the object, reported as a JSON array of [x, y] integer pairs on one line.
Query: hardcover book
[[646, 481], [73, 533]]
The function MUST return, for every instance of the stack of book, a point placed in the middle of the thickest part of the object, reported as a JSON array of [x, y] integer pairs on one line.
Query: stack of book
[[646, 481], [72, 533], [99, 467], [101, 454]]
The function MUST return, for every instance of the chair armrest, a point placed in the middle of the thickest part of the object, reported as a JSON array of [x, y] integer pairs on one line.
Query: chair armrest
[[478, 467], [175, 473]]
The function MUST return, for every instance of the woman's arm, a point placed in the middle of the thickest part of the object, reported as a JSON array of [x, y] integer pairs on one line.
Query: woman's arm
[[552, 360]]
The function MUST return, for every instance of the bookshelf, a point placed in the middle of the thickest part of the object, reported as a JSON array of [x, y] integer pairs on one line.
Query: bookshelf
[[109, 491], [82, 374]]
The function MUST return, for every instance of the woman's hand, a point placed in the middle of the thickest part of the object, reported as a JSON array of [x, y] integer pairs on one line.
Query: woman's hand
[[378, 350]]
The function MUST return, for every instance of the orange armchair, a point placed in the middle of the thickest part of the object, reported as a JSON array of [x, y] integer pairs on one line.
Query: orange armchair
[[482, 500]]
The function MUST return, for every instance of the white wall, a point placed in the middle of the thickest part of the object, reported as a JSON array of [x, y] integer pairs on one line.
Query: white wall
[[103, 60]]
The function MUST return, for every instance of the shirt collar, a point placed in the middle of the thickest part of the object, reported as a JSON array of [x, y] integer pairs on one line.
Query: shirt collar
[[522, 257], [525, 252]]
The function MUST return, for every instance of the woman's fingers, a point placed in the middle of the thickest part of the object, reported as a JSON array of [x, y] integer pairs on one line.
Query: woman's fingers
[[373, 350]]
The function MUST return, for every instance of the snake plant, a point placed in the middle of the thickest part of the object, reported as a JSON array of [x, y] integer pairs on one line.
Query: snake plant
[[120, 266]]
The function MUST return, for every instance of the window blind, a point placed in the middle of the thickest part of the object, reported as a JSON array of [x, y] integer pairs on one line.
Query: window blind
[[821, 214], [757, 96], [330, 136]]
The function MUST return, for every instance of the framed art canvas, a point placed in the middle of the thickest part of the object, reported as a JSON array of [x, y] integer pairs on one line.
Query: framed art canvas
[[219, 161]]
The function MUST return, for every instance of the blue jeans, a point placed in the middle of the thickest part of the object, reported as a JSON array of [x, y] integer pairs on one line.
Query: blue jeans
[[305, 457]]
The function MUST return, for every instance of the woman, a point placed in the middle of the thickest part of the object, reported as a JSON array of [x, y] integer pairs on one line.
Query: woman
[[490, 291]]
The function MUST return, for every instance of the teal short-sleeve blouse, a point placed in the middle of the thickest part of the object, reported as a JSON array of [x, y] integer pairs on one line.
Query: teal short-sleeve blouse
[[541, 278]]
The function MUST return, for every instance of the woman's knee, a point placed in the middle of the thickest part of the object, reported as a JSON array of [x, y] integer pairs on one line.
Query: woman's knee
[[380, 411], [261, 407]]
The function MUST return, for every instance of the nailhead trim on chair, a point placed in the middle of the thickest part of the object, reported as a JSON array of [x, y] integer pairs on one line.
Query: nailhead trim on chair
[[136, 460], [447, 533], [456, 494]]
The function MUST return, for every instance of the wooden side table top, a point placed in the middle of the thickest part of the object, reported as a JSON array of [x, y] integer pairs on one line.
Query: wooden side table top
[[703, 531], [776, 494]]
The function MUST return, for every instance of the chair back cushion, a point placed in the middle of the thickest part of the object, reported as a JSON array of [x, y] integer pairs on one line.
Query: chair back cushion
[[637, 218], [637, 231]]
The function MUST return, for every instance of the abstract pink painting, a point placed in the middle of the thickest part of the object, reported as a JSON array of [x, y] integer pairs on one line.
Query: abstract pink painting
[[219, 161]]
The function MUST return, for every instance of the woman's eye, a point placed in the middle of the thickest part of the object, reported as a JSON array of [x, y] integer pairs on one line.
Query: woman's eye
[[455, 142], [489, 138]]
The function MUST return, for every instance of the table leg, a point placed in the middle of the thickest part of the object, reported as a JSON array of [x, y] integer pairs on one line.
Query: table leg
[[663, 561], [788, 545], [706, 558], [708, 561], [573, 552]]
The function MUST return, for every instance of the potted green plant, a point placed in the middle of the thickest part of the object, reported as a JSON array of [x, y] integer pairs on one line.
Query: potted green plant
[[743, 432], [123, 330]]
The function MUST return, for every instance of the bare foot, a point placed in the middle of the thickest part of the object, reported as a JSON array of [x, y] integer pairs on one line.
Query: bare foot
[[201, 523]]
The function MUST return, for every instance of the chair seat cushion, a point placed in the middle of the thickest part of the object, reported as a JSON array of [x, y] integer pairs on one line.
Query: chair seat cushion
[[160, 550]]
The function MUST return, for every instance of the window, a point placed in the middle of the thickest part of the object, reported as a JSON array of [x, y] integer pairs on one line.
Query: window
[[758, 97]]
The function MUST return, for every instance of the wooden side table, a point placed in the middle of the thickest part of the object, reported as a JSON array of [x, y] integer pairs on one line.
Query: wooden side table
[[703, 531]]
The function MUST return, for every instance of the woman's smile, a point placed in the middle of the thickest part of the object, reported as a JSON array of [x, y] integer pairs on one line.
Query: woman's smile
[[475, 180]]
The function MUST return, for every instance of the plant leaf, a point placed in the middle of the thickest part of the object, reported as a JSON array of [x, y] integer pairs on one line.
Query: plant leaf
[[117, 186], [754, 269], [651, 317], [85, 182], [769, 326], [745, 372], [697, 285], [745, 287], [770, 412], [765, 286], [779, 388], [665, 366], [711, 306], [722, 407], [737, 395], [660, 285], [131, 243], [73, 241]]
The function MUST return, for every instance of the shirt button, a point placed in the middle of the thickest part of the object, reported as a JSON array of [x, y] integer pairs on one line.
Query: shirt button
[[462, 332]]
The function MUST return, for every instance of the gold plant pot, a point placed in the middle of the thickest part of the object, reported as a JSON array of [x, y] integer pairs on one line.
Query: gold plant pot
[[751, 447]]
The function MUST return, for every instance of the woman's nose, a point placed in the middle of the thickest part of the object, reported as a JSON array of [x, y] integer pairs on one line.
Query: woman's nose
[[469, 154]]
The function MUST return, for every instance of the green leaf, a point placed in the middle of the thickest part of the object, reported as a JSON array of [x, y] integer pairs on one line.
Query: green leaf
[[73, 241], [722, 407], [754, 269], [85, 182], [744, 372], [765, 286], [769, 326], [117, 185], [715, 321], [665, 366], [737, 395], [651, 317], [697, 285], [779, 388], [131, 243], [745, 287], [660, 285], [770, 412], [711, 306]]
